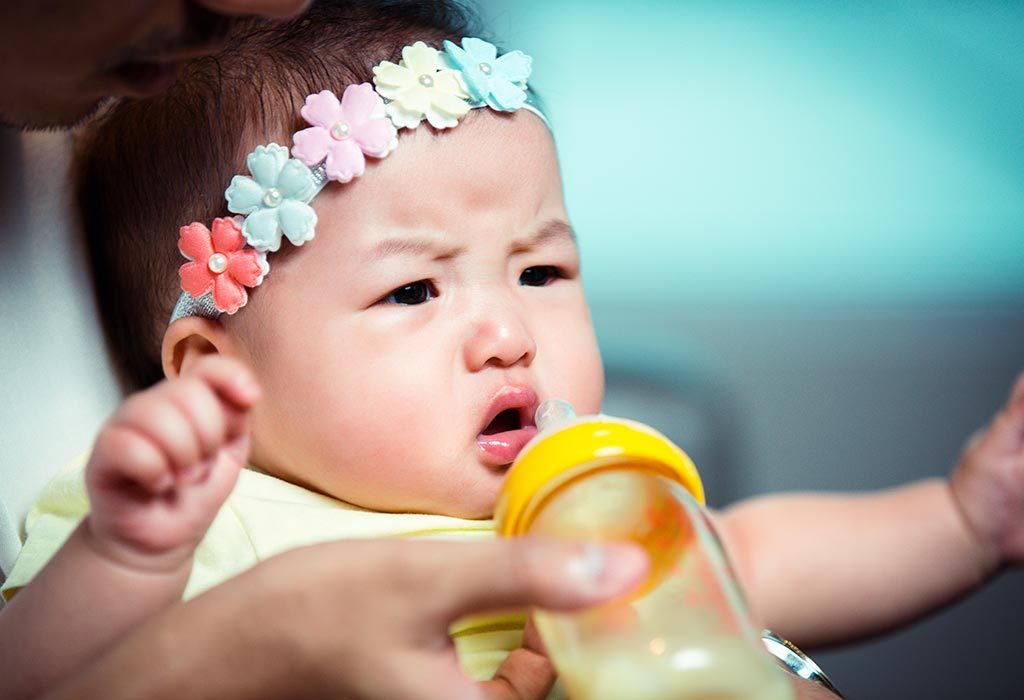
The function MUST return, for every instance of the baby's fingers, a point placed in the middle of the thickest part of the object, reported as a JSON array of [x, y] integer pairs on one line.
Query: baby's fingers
[[215, 400], [1005, 434], [157, 415], [124, 455], [189, 418], [1016, 401], [228, 378]]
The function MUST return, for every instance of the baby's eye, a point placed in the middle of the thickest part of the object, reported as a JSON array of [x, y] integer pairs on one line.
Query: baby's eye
[[540, 275], [412, 294]]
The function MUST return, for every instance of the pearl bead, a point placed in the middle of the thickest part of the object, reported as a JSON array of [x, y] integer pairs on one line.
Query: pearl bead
[[485, 68], [217, 263], [340, 130], [271, 197], [426, 81]]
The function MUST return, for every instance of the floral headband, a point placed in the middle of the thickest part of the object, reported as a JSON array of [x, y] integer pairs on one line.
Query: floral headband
[[438, 86]]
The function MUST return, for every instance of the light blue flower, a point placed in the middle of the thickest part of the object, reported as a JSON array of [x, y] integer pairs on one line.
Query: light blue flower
[[500, 83], [275, 199]]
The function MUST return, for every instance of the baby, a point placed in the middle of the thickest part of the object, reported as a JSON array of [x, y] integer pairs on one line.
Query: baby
[[378, 379]]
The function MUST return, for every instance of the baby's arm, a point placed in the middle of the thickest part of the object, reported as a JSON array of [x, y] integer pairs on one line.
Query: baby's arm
[[160, 469], [830, 568]]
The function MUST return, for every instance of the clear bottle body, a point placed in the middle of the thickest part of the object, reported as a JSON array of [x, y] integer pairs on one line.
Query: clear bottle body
[[686, 633]]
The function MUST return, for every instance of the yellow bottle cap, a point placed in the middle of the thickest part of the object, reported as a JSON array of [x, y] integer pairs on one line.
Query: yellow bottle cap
[[588, 444]]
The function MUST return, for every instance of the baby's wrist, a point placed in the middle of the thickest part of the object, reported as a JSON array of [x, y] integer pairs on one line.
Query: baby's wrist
[[123, 553], [984, 544]]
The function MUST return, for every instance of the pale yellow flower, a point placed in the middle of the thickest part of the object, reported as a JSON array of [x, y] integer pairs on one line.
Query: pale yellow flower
[[420, 87]]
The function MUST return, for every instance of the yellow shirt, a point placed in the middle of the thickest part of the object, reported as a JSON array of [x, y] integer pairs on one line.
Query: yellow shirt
[[264, 516]]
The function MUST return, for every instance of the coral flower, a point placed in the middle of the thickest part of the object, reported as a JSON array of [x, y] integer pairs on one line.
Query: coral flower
[[220, 262]]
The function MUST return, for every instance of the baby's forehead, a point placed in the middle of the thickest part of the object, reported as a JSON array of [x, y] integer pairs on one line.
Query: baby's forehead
[[494, 171], [487, 151]]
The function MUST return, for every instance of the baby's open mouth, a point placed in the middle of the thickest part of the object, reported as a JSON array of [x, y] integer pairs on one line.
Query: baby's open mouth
[[503, 422], [510, 426]]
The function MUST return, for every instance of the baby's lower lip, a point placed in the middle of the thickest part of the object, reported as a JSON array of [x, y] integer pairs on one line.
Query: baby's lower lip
[[500, 449]]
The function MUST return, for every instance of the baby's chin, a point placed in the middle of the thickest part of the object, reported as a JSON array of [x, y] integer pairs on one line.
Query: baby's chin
[[474, 500], [463, 512], [465, 507], [484, 512]]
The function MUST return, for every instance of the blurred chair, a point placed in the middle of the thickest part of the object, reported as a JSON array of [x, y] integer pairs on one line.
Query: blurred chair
[[655, 376]]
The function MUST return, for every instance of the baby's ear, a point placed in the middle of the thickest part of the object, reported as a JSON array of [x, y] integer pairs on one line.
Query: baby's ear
[[190, 338]]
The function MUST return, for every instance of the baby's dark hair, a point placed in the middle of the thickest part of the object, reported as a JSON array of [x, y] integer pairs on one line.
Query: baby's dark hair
[[143, 168]]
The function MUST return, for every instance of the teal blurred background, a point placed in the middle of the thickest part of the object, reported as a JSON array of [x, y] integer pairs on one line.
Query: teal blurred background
[[802, 227], [787, 153]]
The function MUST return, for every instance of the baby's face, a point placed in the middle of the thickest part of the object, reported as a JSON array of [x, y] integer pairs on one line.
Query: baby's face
[[403, 351]]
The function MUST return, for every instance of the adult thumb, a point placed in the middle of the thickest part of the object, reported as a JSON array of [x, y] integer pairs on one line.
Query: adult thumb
[[536, 572]]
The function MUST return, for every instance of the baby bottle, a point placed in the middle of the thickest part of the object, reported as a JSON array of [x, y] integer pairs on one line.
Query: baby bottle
[[686, 632]]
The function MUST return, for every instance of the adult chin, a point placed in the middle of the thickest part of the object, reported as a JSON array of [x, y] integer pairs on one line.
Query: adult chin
[[48, 114]]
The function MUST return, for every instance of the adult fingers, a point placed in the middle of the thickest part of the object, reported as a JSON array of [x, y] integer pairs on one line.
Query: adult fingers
[[525, 674], [274, 9], [532, 572]]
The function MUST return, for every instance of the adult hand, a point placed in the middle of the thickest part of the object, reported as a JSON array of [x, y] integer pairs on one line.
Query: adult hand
[[362, 619], [526, 674], [59, 59], [274, 9]]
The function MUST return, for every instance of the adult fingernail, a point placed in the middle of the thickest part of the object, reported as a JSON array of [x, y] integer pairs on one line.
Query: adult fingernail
[[607, 569]]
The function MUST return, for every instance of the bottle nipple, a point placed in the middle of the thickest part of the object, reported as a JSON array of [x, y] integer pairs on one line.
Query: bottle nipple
[[553, 413]]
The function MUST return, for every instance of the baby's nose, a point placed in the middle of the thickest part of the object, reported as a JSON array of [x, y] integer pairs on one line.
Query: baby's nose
[[501, 337]]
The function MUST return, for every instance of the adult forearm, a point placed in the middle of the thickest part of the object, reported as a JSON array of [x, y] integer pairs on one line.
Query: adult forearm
[[217, 645], [236, 643], [829, 568], [77, 605]]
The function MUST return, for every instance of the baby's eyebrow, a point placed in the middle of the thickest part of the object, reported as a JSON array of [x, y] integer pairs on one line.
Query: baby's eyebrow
[[413, 247], [553, 231]]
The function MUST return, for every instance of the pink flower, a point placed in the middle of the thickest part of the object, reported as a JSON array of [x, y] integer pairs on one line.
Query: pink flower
[[343, 132], [220, 261]]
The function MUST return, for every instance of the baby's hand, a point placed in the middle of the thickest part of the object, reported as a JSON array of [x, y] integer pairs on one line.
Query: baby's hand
[[164, 463], [988, 482]]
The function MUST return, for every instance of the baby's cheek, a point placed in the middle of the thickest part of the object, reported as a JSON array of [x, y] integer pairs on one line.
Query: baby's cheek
[[588, 370], [579, 378], [590, 386]]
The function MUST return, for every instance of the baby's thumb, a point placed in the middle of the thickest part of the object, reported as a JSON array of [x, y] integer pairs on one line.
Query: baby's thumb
[[536, 572], [227, 464]]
